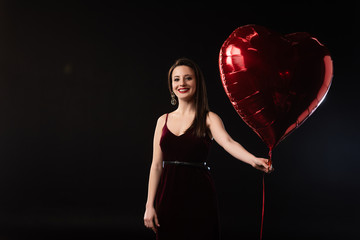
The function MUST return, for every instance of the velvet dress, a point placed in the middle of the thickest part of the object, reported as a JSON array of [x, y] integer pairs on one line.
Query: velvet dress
[[186, 202]]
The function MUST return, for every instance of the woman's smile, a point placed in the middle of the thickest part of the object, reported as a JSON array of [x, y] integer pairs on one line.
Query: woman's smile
[[183, 90]]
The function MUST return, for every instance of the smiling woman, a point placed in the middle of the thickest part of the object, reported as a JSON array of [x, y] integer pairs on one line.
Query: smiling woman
[[182, 202], [187, 83]]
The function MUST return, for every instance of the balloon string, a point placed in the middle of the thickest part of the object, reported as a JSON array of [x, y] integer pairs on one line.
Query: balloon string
[[263, 197], [263, 205]]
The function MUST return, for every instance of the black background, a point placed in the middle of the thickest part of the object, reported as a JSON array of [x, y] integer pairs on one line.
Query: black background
[[82, 85]]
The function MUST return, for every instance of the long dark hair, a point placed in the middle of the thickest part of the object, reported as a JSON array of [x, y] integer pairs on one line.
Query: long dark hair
[[198, 126]]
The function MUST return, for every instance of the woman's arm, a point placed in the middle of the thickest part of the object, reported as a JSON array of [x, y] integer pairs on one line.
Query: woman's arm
[[221, 136], [150, 217]]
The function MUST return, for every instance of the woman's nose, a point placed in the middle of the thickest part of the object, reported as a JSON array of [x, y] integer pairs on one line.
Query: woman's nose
[[182, 82]]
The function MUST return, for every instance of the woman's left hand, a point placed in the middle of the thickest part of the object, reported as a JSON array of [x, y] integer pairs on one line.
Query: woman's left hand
[[262, 164]]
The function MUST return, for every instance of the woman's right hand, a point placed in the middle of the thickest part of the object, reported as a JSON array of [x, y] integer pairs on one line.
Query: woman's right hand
[[150, 219]]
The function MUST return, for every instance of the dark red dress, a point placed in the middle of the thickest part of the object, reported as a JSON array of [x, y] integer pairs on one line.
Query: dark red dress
[[186, 201]]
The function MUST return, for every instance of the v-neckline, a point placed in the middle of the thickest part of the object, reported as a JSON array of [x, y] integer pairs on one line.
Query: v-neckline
[[173, 133]]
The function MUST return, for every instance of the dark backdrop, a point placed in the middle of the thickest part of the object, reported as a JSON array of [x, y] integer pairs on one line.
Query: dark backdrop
[[81, 88]]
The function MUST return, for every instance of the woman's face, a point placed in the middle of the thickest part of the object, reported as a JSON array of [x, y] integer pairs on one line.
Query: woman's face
[[184, 82]]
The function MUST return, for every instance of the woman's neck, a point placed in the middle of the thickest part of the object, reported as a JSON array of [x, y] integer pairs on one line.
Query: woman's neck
[[186, 108]]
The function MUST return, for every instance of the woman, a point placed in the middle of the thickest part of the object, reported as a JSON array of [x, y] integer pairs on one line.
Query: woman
[[181, 201]]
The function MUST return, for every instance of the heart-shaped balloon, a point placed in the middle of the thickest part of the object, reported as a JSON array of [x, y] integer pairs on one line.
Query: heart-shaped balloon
[[274, 82]]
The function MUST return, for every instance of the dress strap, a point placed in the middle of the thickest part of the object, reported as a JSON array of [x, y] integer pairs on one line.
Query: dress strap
[[166, 118]]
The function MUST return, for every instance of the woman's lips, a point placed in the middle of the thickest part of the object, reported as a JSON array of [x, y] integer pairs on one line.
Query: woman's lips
[[183, 90]]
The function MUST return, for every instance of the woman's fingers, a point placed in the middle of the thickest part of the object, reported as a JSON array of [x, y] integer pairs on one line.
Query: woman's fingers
[[156, 221], [265, 163], [149, 223], [262, 164], [271, 168]]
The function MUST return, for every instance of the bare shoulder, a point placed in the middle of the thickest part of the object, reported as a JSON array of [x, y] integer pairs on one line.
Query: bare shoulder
[[161, 120], [212, 118]]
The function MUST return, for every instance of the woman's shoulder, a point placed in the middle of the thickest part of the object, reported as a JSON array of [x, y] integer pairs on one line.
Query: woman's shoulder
[[162, 118], [160, 123], [212, 116]]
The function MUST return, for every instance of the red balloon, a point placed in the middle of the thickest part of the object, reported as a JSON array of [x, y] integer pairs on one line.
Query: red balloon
[[274, 82]]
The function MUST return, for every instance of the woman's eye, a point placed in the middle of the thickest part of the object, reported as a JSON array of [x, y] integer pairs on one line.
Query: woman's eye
[[188, 78], [176, 79]]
